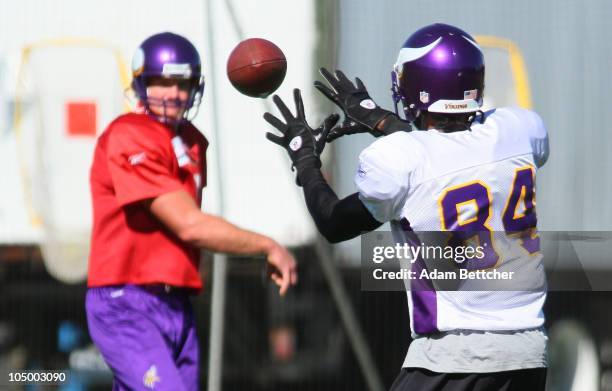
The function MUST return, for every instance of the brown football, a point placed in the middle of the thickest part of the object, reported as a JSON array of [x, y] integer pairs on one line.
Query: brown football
[[256, 67]]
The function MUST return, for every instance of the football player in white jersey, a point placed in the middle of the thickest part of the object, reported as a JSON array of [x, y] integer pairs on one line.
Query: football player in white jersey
[[461, 171]]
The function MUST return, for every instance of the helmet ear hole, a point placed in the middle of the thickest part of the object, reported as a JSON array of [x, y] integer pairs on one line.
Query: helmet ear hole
[[139, 91]]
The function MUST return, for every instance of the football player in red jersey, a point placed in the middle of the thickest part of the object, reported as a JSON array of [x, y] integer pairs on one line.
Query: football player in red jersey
[[147, 177]]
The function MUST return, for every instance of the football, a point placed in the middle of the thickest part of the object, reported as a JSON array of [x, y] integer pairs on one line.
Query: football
[[256, 67]]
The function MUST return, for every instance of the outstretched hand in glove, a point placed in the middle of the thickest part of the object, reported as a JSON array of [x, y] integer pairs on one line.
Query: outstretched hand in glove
[[361, 113], [303, 144]]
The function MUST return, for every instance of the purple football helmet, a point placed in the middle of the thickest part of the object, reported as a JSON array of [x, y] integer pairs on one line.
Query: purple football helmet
[[168, 55], [440, 69]]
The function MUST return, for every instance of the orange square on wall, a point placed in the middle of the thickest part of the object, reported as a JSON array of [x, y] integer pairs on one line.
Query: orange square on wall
[[81, 118]]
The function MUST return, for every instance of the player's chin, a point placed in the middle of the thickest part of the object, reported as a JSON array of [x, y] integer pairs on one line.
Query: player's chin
[[170, 113]]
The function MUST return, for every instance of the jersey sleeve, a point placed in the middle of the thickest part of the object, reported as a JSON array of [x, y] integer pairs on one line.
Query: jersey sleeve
[[535, 132], [140, 167], [538, 137], [382, 179]]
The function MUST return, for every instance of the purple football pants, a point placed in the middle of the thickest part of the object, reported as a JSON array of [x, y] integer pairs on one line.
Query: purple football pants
[[146, 336]]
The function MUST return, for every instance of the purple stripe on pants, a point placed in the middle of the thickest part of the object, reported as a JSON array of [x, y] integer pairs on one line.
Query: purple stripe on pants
[[146, 336]]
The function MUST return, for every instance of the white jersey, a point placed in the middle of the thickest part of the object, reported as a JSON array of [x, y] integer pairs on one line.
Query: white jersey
[[478, 180]]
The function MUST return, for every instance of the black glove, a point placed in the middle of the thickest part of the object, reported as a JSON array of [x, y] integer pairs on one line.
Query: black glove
[[354, 101], [347, 127], [322, 134], [303, 144]]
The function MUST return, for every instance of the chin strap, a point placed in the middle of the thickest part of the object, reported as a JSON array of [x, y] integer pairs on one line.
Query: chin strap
[[478, 115], [395, 94]]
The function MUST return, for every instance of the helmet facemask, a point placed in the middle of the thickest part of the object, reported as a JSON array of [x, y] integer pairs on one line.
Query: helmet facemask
[[188, 107]]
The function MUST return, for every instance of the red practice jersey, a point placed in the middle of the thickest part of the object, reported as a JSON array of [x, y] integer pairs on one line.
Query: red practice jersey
[[137, 158]]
